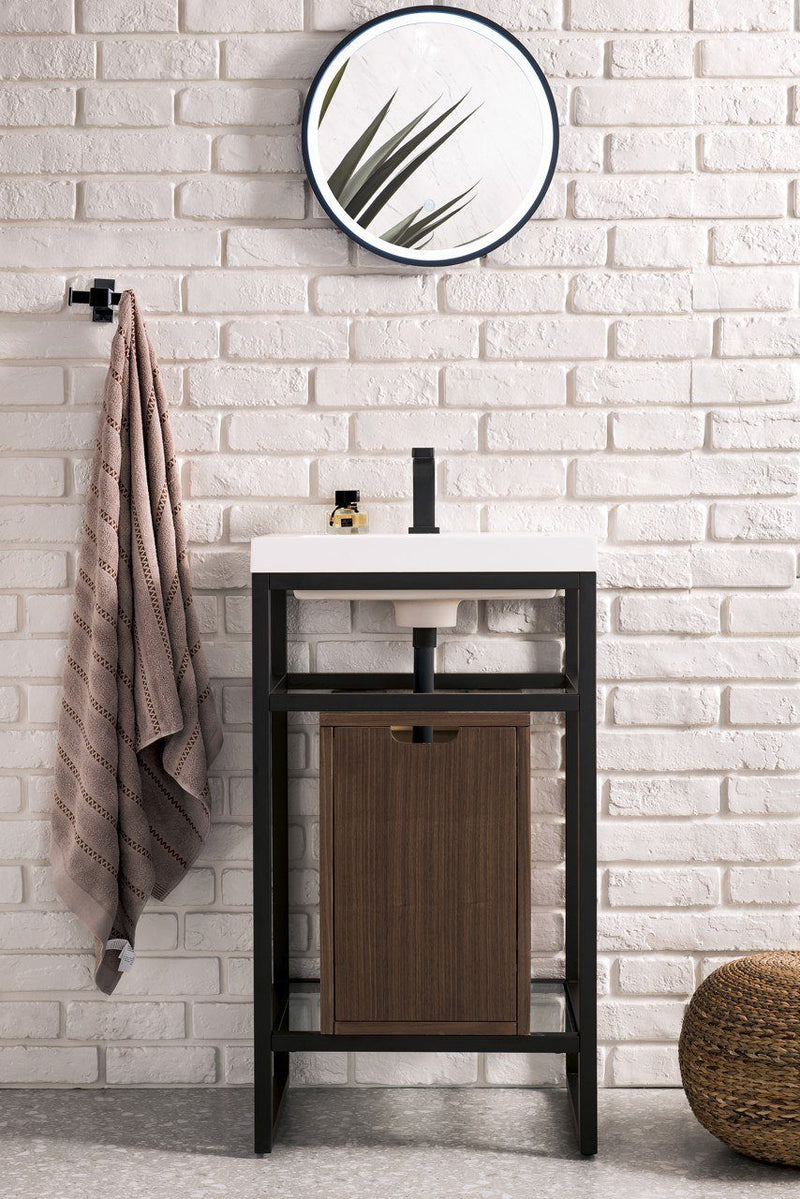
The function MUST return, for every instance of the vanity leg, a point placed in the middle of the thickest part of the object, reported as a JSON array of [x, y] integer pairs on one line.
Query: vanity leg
[[262, 857], [270, 859], [572, 815], [587, 849], [581, 857], [280, 896]]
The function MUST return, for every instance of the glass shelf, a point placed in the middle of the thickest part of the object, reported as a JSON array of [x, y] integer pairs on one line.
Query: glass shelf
[[552, 1027]]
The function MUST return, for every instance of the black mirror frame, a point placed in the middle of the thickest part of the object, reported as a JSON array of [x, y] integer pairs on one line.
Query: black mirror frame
[[479, 20]]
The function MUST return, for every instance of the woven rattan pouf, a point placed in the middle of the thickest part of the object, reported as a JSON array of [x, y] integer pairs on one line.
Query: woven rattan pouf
[[740, 1055]]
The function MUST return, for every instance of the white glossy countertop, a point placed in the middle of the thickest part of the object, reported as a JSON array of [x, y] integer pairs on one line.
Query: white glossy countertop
[[400, 552]]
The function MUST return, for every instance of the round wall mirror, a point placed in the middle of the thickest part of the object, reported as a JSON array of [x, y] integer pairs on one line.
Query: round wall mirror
[[430, 135]]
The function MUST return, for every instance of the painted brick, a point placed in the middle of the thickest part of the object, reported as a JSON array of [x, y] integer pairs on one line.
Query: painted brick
[[664, 430], [635, 292], [419, 1069], [764, 705], [160, 58], [563, 245], [752, 522], [10, 884], [343, 295], [504, 385], [776, 55], [727, 14], [663, 796], [638, 1065], [766, 245], [220, 199], [295, 339], [237, 104], [47, 58], [739, 103], [743, 382], [243, 16], [764, 614], [576, 337], [115, 1021], [651, 150], [664, 337], [625, 199], [445, 337], [697, 659], [762, 796], [505, 477], [165, 1064], [276, 55], [142, 106], [286, 247], [677, 706], [540, 431], [656, 976], [651, 58], [765, 885], [733, 287], [246, 152], [253, 291], [227, 385], [47, 1064], [570, 57], [649, 15], [678, 888], [743, 567], [131, 199], [629, 103], [671, 245], [659, 522], [644, 569], [379, 386], [395, 431]]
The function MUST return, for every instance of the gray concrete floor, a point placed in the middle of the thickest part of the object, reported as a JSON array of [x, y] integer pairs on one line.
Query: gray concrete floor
[[365, 1144]]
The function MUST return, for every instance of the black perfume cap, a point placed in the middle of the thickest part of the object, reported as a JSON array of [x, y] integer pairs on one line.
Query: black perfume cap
[[345, 499]]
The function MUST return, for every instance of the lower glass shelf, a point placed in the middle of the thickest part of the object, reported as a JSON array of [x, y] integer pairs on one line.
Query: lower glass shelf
[[553, 1028]]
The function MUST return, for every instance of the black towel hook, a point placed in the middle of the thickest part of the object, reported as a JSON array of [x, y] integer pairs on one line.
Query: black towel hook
[[101, 297]]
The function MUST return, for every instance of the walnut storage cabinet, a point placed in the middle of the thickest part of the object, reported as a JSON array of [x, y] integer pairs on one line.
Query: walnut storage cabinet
[[425, 872]]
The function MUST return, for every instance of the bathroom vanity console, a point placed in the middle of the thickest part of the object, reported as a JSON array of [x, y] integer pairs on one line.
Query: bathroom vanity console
[[289, 1016]]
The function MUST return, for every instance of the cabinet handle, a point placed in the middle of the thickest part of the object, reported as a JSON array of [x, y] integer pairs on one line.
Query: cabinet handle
[[402, 733]]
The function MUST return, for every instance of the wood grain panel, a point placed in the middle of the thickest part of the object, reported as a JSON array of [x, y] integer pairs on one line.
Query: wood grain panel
[[424, 869]]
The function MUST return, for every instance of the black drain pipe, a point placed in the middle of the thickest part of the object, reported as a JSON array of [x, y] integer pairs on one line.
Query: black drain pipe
[[424, 640]]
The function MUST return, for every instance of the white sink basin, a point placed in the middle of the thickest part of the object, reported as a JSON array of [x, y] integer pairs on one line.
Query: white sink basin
[[403, 553]]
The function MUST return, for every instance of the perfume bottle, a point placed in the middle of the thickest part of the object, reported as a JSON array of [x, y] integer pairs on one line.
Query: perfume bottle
[[345, 517]]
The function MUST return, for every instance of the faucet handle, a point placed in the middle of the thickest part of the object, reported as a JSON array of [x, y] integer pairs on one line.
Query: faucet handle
[[424, 464]]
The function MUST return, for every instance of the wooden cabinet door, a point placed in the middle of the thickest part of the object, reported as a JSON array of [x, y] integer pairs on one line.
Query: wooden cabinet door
[[424, 844]]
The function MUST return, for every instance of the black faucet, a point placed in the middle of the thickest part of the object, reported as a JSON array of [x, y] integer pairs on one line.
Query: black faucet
[[424, 490], [424, 640]]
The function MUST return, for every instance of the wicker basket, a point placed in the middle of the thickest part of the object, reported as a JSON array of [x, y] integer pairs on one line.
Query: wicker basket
[[740, 1056]]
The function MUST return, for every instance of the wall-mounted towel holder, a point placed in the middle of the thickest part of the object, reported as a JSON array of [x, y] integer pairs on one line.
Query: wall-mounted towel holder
[[101, 297]]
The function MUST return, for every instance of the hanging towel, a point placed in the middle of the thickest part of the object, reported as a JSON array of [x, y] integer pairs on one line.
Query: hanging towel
[[138, 726]]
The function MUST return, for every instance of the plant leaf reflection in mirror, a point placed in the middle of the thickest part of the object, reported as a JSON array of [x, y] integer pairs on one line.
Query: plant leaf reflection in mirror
[[355, 184]]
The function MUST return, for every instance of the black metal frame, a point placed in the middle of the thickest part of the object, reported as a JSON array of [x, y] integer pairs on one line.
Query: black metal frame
[[276, 692], [364, 241]]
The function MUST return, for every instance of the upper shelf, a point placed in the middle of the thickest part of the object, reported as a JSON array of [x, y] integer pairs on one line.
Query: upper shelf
[[398, 553]]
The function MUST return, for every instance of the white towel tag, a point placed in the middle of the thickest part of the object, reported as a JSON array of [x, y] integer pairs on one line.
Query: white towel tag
[[126, 955]]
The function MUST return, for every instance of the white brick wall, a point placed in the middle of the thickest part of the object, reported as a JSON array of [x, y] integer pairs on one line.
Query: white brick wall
[[623, 367]]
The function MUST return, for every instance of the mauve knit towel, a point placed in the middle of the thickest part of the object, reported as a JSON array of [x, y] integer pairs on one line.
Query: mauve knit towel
[[138, 726]]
